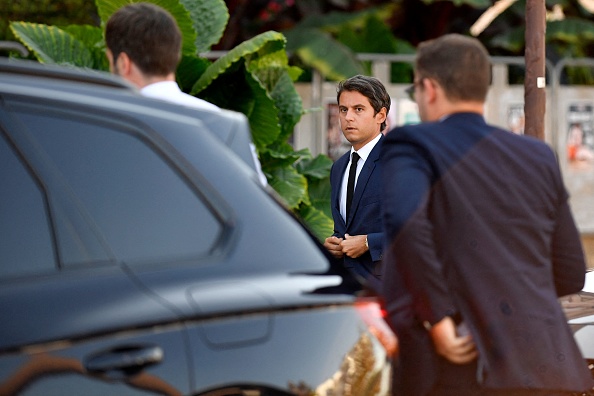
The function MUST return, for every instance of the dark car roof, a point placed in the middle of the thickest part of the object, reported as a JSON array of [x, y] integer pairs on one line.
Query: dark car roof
[[22, 77]]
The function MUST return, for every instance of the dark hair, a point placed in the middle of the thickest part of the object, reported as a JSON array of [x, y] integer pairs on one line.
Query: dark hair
[[460, 64], [371, 88], [148, 34]]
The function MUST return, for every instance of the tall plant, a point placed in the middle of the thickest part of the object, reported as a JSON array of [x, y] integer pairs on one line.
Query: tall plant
[[253, 78]]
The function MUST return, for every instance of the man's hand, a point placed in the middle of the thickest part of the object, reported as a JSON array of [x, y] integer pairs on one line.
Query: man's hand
[[333, 245], [455, 348], [354, 246]]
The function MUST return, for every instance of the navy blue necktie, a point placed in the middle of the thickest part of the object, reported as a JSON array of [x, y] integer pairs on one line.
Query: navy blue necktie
[[351, 183]]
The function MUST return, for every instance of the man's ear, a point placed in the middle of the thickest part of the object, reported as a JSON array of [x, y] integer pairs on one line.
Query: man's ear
[[431, 89], [381, 115], [123, 64]]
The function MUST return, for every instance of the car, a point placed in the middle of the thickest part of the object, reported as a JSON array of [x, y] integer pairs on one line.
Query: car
[[579, 310], [140, 254]]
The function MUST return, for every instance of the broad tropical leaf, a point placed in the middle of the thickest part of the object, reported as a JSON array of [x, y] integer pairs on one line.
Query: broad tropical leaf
[[106, 8], [290, 185], [570, 30], [289, 104], [321, 51], [512, 40], [334, 21], [92, 38], [263, 117], [376, 37], [319, 194], [189, 70], [209, 18], [239, 90], [50, 44], [318, 167], [281, 154], [320, 225], [480, 4], [263, 43]]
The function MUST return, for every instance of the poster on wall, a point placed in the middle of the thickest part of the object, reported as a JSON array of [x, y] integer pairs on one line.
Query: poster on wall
[[515, 118], [337, 144], [580, 135]]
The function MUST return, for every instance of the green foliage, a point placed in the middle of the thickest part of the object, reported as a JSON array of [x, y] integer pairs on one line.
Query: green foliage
[[53, 45], [329, 43], [175, 7], [254, 78], [374, 36], [473, 3], [209, 19], [60, 13], [321, 51]]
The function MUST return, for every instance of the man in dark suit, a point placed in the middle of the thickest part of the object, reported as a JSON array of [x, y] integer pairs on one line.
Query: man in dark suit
[[480, 243], [363, 106]]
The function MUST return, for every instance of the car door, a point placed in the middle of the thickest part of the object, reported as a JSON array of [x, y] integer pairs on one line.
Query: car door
[[81, 197]]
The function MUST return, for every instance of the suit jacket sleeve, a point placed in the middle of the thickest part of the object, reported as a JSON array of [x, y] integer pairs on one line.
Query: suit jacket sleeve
[[408, 176], [568, 260]]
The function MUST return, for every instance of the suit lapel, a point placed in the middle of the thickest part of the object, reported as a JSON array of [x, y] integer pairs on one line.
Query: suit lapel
[[364, 176], [340, 165]]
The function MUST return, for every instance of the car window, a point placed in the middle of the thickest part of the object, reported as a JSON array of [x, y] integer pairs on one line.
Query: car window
[[144, 209], [26, 243]]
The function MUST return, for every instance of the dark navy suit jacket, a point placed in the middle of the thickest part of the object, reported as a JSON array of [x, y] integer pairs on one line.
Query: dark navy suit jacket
[[365, 214], [477, 222]]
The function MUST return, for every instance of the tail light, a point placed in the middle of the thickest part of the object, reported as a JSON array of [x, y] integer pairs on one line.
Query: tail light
[[374, 316]]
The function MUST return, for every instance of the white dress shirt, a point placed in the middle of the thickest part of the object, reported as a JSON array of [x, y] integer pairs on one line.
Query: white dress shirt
[[169, 91], [363, 153]]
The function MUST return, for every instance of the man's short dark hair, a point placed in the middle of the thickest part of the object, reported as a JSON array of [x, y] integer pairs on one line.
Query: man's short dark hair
[[460, 64], [148, 34], [370, 87]]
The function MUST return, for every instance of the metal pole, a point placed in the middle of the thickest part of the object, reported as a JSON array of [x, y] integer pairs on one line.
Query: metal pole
[[535, 82]]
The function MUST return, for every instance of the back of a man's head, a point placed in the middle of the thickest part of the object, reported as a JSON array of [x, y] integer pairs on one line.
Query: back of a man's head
[[148, 34], [460, 64]]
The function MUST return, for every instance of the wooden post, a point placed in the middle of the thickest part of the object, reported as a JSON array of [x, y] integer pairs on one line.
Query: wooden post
[[535, 82]]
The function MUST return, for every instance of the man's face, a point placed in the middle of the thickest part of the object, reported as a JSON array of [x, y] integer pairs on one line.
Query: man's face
[[358, 122]]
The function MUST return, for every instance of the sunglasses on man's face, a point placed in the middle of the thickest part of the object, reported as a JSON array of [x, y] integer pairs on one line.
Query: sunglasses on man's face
[[410, 91]]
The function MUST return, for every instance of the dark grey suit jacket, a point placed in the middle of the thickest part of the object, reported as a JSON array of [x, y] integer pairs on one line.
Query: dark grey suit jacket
[[477, 222]]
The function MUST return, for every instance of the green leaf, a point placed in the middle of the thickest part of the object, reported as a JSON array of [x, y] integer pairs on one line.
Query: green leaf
[[570, 30], [263, 117], [319, 194], [281, 154], [290, 185], [209, 19], [263, 43], [334, 21], [50, 44], [321, 51], [318, 222], [318, 167], [288, 101], [189, 70], [106, 8], [479, 4], [239, 90], [92, 38], [512, 40]]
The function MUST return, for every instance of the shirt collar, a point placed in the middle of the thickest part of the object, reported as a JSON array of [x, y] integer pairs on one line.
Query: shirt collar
[[366, 150], [160, 88]]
